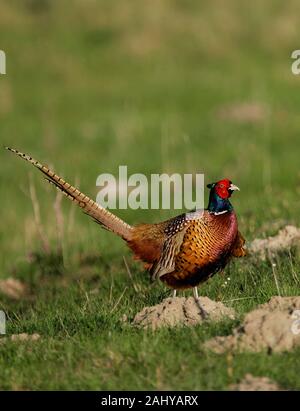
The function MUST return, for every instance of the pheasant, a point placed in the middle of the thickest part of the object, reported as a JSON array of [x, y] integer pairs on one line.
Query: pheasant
[[183, 251]]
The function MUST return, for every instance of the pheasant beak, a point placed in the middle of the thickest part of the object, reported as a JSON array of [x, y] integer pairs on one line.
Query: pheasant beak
[[232, 187]]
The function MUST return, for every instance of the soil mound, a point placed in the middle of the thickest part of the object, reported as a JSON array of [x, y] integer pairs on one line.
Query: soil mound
[[272, 327], [181, 311], [286, 238], [251, 383]]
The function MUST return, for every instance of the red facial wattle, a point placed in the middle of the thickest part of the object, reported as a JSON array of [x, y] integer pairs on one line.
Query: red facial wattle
[[222, 188]]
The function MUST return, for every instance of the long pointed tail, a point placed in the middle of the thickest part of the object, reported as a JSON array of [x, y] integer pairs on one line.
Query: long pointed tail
[[102, 216]]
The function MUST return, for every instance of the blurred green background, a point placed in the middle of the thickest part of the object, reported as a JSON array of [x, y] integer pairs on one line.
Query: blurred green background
[[160, 86]]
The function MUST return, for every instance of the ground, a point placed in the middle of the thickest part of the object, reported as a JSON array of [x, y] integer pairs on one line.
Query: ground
[[161, 86]]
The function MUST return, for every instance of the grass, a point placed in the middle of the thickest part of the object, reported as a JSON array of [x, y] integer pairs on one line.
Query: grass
[[103, 84]]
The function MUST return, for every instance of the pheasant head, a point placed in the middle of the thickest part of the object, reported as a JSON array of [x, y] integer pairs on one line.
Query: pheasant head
[[219, 196]]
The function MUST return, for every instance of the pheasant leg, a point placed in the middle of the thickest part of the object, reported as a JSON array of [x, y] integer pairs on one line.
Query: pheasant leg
[[203, 313]]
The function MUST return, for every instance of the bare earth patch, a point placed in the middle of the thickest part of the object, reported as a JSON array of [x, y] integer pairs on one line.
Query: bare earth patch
[[272, 327], [181, 311], [251, 383], [244, 112], [20, 338], [286, 238], [13, 288]]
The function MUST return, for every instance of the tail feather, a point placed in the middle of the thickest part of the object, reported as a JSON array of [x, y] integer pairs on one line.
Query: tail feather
[[102, 216]]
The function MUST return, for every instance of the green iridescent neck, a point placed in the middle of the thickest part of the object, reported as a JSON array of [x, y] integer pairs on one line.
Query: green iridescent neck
[[217, 204]]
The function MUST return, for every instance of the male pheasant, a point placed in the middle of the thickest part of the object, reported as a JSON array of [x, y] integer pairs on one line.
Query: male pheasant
[[182, 252]]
